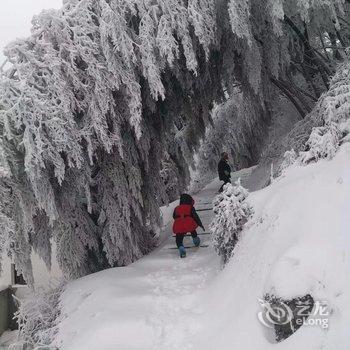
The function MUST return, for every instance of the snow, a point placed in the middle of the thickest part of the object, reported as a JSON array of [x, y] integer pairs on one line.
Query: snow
[[146, 305], [296, 243]]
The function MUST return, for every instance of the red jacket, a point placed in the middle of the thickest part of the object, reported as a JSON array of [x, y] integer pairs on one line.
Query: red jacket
[[184, 222]]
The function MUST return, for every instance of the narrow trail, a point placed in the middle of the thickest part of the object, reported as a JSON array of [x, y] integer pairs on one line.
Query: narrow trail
[[151, 304], [177, 288]]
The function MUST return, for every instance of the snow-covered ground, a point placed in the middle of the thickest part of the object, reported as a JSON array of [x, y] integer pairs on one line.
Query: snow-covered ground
[[296, 243], [151, 304]]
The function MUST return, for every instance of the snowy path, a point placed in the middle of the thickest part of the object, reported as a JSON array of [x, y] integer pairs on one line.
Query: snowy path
[[151, 304], [290, 248]]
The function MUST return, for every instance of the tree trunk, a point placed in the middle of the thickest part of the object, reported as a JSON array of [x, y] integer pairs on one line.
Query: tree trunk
[[284, 89]]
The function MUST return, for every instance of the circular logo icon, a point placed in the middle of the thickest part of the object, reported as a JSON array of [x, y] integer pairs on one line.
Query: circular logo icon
[[275, 312]]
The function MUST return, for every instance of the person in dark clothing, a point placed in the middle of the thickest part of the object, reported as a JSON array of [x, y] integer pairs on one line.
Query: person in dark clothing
[[186, 220], [224, 170]]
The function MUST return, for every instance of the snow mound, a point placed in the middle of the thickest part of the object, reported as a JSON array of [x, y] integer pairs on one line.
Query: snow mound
[[296, 244]]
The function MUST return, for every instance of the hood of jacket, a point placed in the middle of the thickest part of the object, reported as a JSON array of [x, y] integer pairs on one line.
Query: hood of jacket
[[186, 199]]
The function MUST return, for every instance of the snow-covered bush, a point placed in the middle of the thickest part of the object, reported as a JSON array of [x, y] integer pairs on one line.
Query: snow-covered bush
[[289, 158], [322, 143], [38, 316], [231, 213], [334, 111]]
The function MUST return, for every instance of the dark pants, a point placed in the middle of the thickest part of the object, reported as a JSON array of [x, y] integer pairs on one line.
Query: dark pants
[[227, 181], [180, 238]]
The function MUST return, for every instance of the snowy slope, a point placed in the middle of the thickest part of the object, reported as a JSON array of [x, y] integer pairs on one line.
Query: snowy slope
[[296, 243]]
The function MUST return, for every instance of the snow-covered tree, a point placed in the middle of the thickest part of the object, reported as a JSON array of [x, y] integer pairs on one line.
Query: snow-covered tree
[[323, 143], [232, 211], [333, 109], [91, 103], [238, 128], [38, 316], [331, 121]]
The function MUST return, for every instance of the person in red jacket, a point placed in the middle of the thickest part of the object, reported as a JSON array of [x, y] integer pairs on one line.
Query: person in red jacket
[[186, 220]]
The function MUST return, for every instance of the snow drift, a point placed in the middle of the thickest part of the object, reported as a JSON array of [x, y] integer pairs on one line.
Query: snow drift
[[296, 244]]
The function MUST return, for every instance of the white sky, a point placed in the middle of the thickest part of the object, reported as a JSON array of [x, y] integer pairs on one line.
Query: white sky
[[16, 16]]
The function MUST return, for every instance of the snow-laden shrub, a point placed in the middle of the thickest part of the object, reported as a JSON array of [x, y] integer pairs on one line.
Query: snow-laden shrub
[[231, 213], [38, 316], [289, 158], [323, 143], [334, 110]]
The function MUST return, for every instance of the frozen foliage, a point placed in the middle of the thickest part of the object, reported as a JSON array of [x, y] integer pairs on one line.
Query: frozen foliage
[[231, 213], [7, 228], [83, 125], [289, 158], [320, 135], [323, 143], [16, 247], [238, 128], [90, 108], [334, 111], [172, 178], [38, 317], [239, 11]]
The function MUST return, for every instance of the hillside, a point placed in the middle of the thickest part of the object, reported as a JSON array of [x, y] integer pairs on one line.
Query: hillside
[[111, 111], [290, 248]]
